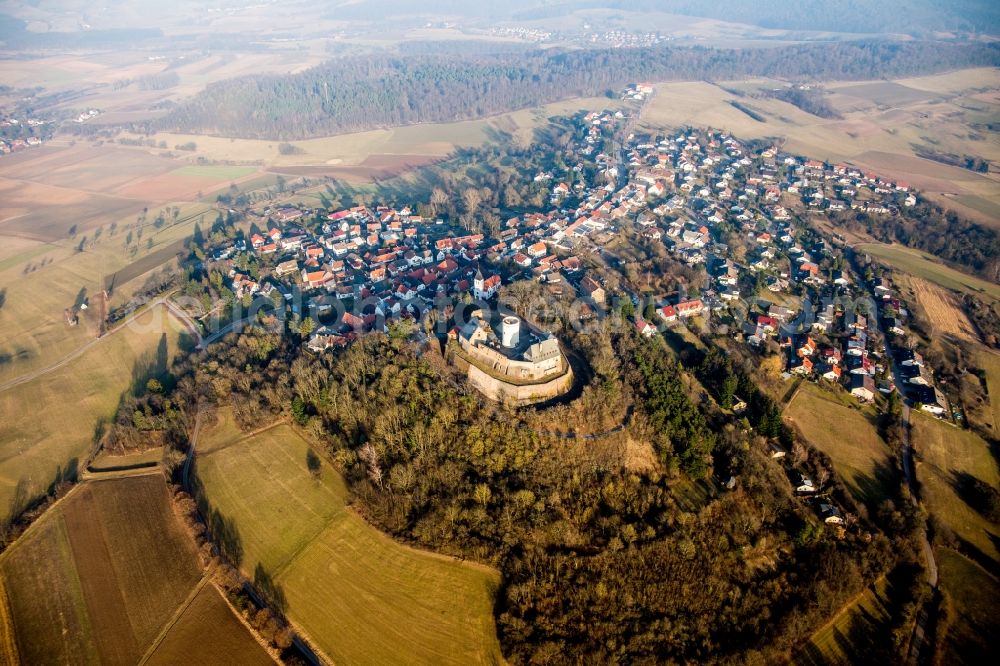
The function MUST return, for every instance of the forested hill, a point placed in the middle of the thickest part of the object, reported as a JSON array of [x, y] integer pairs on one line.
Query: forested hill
[[354, 94]]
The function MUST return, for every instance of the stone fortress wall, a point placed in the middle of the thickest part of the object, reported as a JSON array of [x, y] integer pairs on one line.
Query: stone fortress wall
[[523, 394], [525, 370], [542, 366]]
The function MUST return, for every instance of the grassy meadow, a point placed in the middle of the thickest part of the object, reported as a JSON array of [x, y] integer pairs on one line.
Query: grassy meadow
[[944, 453], [840, 640], [48, 423], [860, 456], [989, 360], [973, 591], [930, 268], [44, 278], [357, 595]]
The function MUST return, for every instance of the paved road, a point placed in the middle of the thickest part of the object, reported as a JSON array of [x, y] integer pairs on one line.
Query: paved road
[[228, 328], [918, 637], [909, 470]]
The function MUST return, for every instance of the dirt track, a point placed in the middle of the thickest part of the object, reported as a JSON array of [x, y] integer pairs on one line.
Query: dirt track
[[79, 351]]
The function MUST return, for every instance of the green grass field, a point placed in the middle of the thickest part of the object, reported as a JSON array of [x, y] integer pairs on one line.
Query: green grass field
[[945, 451], [860, 457], [50, 421], [990, 361], [930, 268], [356, 594]]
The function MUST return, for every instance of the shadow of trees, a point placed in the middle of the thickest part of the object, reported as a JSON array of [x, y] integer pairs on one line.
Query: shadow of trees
[[81, 298], [313, 463], [272, 593], [27, 495], [151, 365], [871, 635], [980, 496]]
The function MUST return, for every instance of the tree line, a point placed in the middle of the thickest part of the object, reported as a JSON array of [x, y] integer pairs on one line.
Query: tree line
[[929, 227], [359, 93]]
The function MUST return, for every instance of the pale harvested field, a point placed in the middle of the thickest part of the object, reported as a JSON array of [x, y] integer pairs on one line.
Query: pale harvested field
[[62, 174], [944, 312], [48, 424], [99, 574], [170, 188], [44, 212], [884, 93], [186, 183], [98, 169], [956, 82]]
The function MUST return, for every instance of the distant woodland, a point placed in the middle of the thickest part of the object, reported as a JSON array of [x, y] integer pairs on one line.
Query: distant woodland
[[844, 16], [353, 94]]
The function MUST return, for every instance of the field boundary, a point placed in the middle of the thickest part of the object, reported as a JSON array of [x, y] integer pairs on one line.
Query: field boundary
[[44, 515], [242, 620], [846, 608], [8, 640], [178, 612], [350, 507]]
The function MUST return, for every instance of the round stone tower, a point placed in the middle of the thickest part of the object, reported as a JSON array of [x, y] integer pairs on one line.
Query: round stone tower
[[510, 328]]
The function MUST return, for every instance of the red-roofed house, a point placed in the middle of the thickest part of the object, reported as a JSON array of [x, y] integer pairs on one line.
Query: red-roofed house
[[690, 308]]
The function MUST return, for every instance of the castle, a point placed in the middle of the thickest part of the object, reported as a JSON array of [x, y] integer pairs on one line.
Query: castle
[[508, 360]]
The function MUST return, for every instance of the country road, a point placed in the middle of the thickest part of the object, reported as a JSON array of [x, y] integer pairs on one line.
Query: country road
[[79, 351], [919, 635]]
